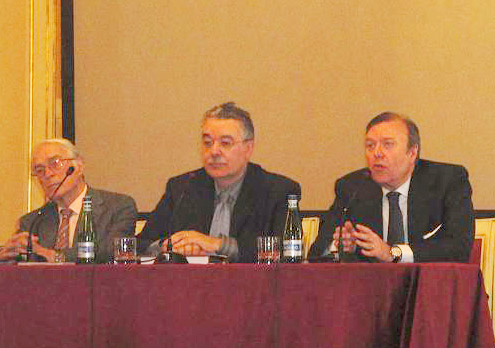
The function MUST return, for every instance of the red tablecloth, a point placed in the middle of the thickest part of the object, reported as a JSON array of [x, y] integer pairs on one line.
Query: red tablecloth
[[45, 306], [315, 305]]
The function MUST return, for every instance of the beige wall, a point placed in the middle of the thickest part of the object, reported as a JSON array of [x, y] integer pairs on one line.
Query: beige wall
[[14, 112], [312, 73]]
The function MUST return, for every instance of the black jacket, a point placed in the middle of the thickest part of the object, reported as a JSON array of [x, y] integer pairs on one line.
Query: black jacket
[[188, 204], [439, 194]]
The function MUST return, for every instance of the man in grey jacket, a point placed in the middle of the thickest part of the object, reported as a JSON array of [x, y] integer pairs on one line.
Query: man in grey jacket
[[59, 169]]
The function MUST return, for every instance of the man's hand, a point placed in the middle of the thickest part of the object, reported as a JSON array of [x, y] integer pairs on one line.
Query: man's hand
[[371, 243], [194, 243], [17, 244], [347, 239]]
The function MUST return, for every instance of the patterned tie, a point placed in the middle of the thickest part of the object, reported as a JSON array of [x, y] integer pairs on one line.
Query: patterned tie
[[63, 231], [395, 223], [220, 224]]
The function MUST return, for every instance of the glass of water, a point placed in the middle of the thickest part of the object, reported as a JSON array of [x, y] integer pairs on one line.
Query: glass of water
[[268, 249], [124, 250]]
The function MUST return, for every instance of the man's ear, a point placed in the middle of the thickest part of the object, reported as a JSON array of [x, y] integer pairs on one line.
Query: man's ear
[[78, 165], [250, 147], [414, 151]]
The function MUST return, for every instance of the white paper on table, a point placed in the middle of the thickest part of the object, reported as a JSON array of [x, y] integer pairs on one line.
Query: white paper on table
[[198, 260]]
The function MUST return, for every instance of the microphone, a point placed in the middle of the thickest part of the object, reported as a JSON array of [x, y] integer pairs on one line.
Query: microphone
[[69, 172], [171, 256], [41, 212], [344, 215]]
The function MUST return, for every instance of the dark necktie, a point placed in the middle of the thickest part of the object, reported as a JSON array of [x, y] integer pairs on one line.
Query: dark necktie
[[395, 224]]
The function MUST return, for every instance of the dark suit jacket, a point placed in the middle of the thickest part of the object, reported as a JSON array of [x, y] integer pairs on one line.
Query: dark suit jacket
[[188, 204], [114, 215], [439, 194]]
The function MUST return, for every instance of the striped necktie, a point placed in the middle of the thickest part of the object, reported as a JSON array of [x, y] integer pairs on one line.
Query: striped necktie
[[63, 230]]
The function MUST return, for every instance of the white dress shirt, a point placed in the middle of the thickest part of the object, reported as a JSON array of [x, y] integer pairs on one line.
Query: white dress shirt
[[403, 190], [76, 207]]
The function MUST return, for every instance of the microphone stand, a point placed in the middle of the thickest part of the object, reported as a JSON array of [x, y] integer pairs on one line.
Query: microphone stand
[[165, 257], [169, 247], [168, 256], [29, 248], [341, 252], [344, 215], [172, 257], [41, 211]]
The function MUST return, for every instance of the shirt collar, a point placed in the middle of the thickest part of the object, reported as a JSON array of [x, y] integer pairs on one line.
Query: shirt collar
[[232, 190], [76, 205], [402, 189]]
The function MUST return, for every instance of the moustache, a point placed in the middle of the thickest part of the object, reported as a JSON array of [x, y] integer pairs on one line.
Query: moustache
[[216, 160]]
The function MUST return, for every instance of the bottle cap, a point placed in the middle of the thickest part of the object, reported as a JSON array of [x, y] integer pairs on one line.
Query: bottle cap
[[87, 203], [292, 197]]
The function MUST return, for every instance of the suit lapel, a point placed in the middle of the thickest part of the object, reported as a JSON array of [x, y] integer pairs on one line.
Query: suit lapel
[[369, 206], [247, 201], [48, 227], [200, 205], [418, 203]]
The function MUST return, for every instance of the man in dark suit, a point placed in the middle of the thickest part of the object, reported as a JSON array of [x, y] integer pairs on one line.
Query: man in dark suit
[[222, 207], [114, 215], [400, 208]]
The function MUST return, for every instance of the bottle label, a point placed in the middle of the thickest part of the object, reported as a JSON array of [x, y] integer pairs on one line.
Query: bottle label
[[85, 250], [292, 203], [292, 247]]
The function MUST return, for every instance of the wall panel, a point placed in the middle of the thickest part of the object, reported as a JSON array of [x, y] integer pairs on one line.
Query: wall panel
[[14, 113], [30, 100], [311, 74]]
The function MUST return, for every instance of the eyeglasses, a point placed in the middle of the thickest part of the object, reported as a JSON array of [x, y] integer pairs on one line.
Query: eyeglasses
[[224, 143], [56, 164]]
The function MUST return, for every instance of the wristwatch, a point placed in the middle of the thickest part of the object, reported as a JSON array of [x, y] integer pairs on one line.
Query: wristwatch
[[396, 253]]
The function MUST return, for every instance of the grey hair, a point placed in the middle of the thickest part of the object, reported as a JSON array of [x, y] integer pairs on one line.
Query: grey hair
[[64, 143], [229, 111]]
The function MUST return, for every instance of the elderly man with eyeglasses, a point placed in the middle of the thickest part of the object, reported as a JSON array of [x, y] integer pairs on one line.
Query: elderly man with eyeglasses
[[222, 207], [59, 168]]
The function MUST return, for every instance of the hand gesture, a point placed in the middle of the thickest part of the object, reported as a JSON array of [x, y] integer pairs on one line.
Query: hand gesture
[[194, 243], [371, 243], [347, 238]]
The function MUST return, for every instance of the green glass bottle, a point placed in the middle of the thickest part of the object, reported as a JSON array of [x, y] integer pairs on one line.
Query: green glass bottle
[[292, 238], [86, 239]]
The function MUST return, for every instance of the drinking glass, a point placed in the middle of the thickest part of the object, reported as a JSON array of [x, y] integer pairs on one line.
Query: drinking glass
[[268, 249], [124, 250], [60, 256]]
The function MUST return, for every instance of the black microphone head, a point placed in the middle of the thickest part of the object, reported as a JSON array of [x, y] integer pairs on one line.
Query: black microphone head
[[70, 171]]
